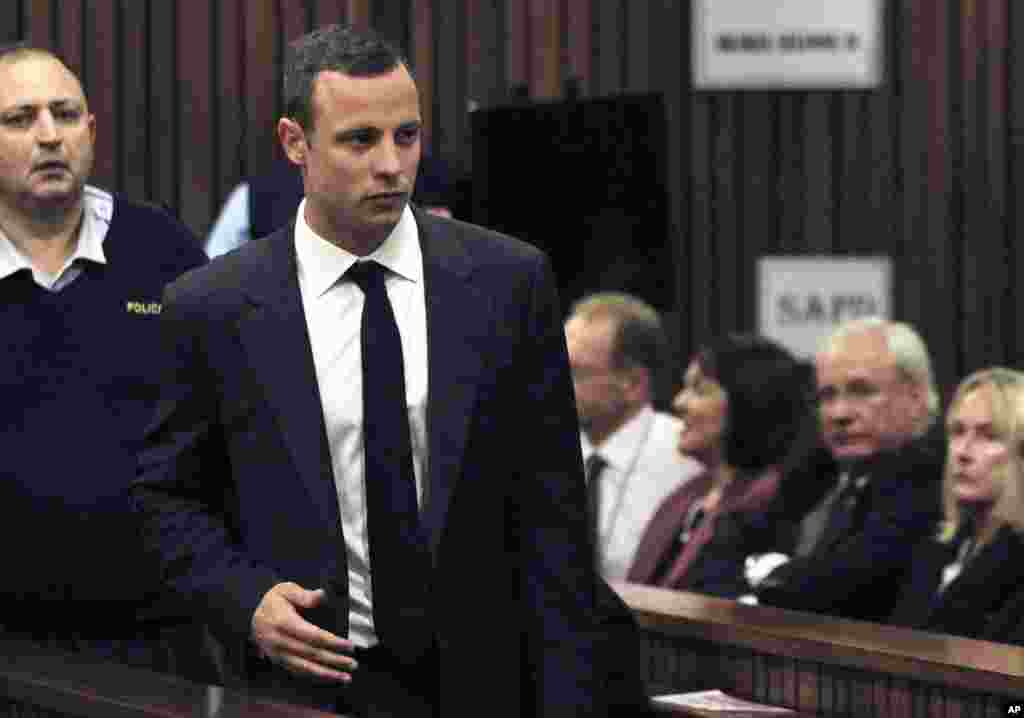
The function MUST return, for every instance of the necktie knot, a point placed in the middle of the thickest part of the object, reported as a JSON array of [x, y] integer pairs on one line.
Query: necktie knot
[[369, 276]]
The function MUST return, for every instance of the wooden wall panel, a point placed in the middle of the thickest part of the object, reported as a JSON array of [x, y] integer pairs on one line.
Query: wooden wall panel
[[422, 58], [38, 23], [449, 90], [70, 20], [1015, 176], [924, 168], [518, 33], [610, 46], [328, 12], [196, 125], [163, 105], [11, 16], [132, 96], [578, 29], [638, 32], [262, 79], [818, 173], [229, 109], [545, 54], [484, 56], [104, 89]]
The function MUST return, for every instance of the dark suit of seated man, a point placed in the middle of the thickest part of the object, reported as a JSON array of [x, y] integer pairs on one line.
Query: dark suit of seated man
[[412, 543], [877, 402]]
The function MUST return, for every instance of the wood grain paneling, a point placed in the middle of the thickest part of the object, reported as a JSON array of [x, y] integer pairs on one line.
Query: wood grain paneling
[[38, 23], [133, 110], [923, 169], [70, 41], [105, 88], [578, 33], [196, 120], [545, 48], [163, 106], [422, 55], [229, 110]]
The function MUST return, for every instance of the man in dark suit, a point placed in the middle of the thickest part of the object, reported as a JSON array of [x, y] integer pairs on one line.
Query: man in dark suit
[[881, 494], [266, 491]]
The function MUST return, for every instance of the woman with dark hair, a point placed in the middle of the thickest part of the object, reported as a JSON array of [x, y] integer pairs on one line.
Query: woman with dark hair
[[745, 406], [961, 580]]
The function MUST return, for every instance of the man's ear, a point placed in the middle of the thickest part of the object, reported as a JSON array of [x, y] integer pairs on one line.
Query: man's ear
[[293, 140]]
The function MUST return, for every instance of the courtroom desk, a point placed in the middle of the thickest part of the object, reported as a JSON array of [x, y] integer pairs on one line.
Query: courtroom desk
[[820, 664], [44, 683]]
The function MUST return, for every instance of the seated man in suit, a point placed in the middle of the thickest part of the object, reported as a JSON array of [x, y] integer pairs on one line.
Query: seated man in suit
[[365, 470], [81, 274], [617, 349], [877, 402]]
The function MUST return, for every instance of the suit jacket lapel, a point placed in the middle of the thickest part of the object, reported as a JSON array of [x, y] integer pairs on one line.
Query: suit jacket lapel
[[277, 344], [457, 320]]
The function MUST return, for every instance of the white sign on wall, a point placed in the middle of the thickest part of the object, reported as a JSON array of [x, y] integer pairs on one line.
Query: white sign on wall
[[801, 299], [787, 43]]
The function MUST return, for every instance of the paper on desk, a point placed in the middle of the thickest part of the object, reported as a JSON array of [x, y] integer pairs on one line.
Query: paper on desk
[[717, 701]]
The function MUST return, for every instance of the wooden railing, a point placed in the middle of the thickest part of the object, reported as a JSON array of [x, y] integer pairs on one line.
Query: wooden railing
[[44, 683], [816, 665], [819, 664]]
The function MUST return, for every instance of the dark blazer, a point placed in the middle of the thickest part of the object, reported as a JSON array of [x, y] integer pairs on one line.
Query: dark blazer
[[237, 490], [1007, 626], [712, 561], [845, 576], [974, 599]]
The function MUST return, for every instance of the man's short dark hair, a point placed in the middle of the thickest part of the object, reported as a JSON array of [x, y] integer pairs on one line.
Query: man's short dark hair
[[333, 47]]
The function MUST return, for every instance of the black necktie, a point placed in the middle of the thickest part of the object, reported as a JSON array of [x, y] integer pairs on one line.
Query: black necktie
[[592, 470], [399, 554], [840, 517]]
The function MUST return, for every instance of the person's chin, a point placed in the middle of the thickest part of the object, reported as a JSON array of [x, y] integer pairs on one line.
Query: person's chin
[[692, 449], [56, 195], [852, 452]]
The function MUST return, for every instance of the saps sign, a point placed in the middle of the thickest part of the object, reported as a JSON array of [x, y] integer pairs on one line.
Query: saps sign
[[801, 299]]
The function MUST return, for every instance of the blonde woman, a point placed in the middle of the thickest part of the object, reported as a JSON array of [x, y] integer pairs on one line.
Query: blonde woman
[[961, 578]]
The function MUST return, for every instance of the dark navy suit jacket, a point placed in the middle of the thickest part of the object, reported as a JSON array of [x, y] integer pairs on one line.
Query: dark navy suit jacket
[[971, 604], [237, 490], [852, 574]]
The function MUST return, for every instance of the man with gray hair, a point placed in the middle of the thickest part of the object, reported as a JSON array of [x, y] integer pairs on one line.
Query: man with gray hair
[[617, 349], [877, 402]]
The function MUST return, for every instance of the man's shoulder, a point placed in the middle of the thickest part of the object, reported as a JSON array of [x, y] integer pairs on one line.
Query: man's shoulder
[[237, 271], [145, 234], [919, 460], [481, 244]]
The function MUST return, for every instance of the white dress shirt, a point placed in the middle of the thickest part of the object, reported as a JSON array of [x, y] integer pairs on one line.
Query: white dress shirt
[[643, 468], [97, 211], [333, 309]]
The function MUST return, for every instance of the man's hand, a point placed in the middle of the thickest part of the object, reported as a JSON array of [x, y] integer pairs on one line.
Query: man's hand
[[289, 640]]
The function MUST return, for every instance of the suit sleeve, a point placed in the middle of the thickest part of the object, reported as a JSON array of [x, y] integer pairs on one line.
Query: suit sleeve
[[904, 509], [183, 489], [571, 617]]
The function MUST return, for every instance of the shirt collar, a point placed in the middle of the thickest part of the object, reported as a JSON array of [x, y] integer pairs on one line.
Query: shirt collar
[[97, 212], [621, 448], [323, 263]]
